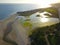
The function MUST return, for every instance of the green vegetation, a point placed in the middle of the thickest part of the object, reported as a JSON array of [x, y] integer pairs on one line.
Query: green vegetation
[[27, 23], [52, 39], [38, 35], [53, 11], [37, 38]]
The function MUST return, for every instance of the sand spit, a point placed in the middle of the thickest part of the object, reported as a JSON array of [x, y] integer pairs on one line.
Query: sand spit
[[3, 25]]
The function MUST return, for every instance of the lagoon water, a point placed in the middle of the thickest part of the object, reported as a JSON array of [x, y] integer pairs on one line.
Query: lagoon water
[[7, 9]]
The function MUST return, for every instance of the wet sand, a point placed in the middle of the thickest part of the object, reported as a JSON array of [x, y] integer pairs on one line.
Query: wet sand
[[3, 24]]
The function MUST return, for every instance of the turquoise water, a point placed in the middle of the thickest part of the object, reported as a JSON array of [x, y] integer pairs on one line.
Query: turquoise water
[[7, 9]]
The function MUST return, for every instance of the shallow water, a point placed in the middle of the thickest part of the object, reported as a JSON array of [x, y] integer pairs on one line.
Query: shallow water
[[7, 9]]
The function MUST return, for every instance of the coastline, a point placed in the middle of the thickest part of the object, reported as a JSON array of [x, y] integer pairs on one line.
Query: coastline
[[4, 22], [10, 15]]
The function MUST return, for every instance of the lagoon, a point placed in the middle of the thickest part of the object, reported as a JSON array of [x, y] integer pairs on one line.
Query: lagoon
[[7, 9]]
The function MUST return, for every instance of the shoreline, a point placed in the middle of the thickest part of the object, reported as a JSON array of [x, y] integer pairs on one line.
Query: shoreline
[[4, 22], [10, 15]]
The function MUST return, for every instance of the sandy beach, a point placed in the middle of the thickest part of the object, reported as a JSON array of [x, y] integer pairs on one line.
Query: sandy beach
[[3, 24]]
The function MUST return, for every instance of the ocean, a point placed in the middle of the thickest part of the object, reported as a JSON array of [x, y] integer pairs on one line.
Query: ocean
[[7, 9]]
